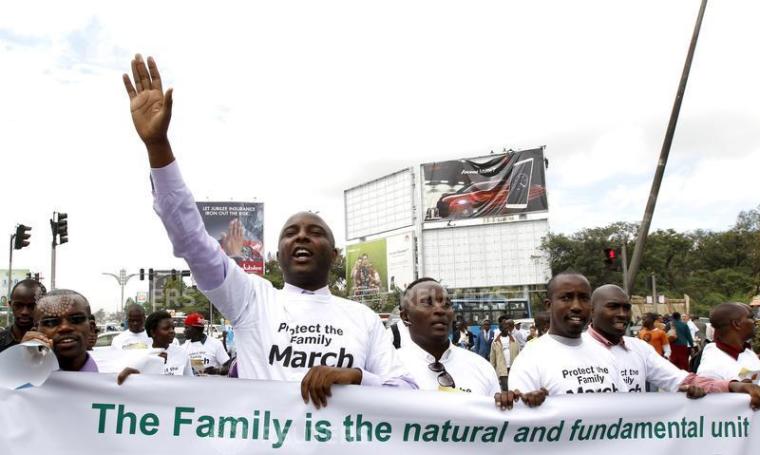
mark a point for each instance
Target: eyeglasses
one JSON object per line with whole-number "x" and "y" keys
{"x": 444, "y": 378}
{"x": 74, "y": 319}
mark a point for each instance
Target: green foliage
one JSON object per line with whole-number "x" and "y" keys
{"x": 711, "y": 267}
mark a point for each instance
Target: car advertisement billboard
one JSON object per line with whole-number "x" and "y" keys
{"x": 380, "y": 265}
{"x": 239, "y": 229}
{"x": 494, "y": 185}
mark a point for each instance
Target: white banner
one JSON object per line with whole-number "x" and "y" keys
{"x": 86, "y": 413}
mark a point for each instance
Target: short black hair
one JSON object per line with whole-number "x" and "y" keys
{"x": 30, "y": 283}
{"x": 405, "y": 294}
{"x": 153, "y": 319}
{"x": 677, "y": 316}
{"x": 550, "y": 284}
{"x": 135, "y": 306}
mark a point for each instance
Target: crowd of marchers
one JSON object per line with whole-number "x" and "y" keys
{"x": 303, "y": 333}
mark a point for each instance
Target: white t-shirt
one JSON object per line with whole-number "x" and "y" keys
{"x": 131, "y": 340}
{"x": 202, "y": 355}
{"x": 638, "y": 363}
{"x": 471, "y": 372}
{"x": 505, "y": 342}
{"x": 565, "y": 365}
{"x": 281, "y": 334}
{"x": 719, "y": 365}
{"x": 177, "y": 362}
{"x": 693, "y": 329}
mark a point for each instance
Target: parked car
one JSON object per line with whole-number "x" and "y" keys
{"x": 105, "y": 339}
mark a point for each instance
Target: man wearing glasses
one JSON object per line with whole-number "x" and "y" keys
{"x": 433, "y": 361}
{"x": 63, "y": 324}
{"x": 24, "y": 298}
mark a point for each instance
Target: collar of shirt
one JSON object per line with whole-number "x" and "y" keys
{"x": 602, "y": 339}
{"x": 423, "y": 354}
{"x": 295, "y": 289}
{"x": 89, "y": 365}
{"x": 730, "y": 350}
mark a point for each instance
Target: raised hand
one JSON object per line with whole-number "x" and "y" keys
{"x": 232, "y": 240}
{"x": 151, "y": 109}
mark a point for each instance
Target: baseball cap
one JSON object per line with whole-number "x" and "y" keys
{"x": 195, "y": 320}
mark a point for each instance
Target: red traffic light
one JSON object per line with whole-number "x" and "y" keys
{"x": 610, "y": 255}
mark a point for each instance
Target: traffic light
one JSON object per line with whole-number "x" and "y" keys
{"x": 22, "y": 237}
{"x": 59, "y": 225}
{"x": 174, "y": 274}
{"x": 63, "y": 228}
{"x": 610, "y": 257}
{"x": 150, "y": 274}
{"x": 142, "y": 274}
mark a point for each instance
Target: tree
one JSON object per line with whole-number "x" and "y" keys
{"x": 711, "y": 267}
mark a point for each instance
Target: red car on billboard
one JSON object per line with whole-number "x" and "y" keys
{"x": 485, "y": 198}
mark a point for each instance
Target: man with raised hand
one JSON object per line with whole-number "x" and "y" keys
{"x": 300, "y": 333}
{"x": 563, "y": 362}
{"x": 731, "y": 356}
{"x": 637, "y": 361}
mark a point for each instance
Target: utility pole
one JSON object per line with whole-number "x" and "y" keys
{"x": 60, "y": 229}
{"x": 638, "y": 251}
{"x": 122, "y": 278}
{"x": 654, "y": 294}
{"x": 10, "y": 285}
{"x": 19, "y": 239}
{"x": 624, "y": 253}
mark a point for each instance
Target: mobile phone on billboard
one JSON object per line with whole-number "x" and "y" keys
{"x": 519, "y": 184}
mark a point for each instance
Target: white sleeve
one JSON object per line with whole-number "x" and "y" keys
{"x": 237, "y": 297}
{"x": 383, "y": 365}
{"x": 662, "y": 372}
{"x": 666, "y": 350}
{"x": 221, "y": 354}
{"x": 524, "y": 375}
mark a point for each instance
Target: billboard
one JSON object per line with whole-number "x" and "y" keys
{"x": 494, "y": 185}
{"x": 380, "y": 265}
{"x": 504, "y": 254}
{"x": 239, "y": 228}
{"x": 382, "y": 205}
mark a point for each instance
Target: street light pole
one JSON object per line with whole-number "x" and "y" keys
{"x": 122, "y": 278}
{"x": 10, "y": 279}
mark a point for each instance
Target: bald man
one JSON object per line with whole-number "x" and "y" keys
{"x": 637, "y": 360}
{"x": 300, "y": 333}
{"x": 731, "y": 356}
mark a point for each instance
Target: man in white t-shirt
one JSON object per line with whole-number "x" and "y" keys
{"x": 637, "y": 360}
{"x": 300, "y": 333}
{"x": 731, "y": 357}
{"x": 135, "y": 336}
{"x": 562, "y": 362}
{"x": 206, "y": 353}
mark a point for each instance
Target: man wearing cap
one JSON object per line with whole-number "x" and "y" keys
{"x": 300, "y": 333}
{"x": 207, "y": 354}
